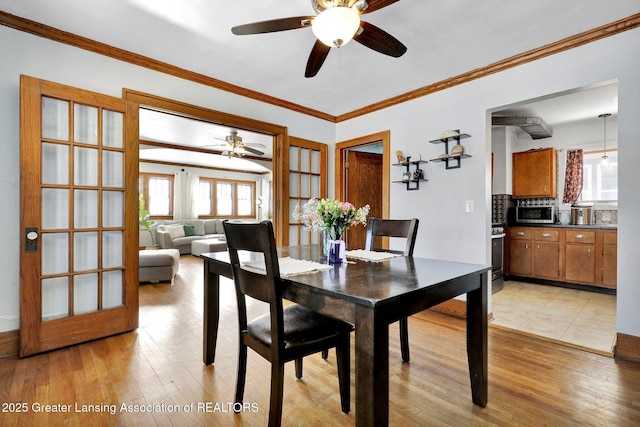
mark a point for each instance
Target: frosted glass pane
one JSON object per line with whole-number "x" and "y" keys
{"x": 55, "y": 164}
{"x": 85, "y": 208}
{"x": 85, "y": 166}
{"x": 55, "y": 119}
{"x": 316, "y": 238}
{"x": 315, "y": 186}
{"x": 85, "y": 251}
{"x": 112, "y": 209}
{"x": 55, "y": 298}
{"x": 294, "y": 189}
{"x": 55, "y": 253}
{"x": 112, "y": 289}
{"x": 85, "y": 293}
{"x": 304, "y": 237}
{"x": 293, "y": 235}
{"x": 113, "y": 169}
{"x": 305, "y": 186}
{"x": 304, "y": 160}
{"x": 292, "y": 205}
{"x": 112, "y": 249}
{"x": 293, "y": 158}
{"x": 55, "y": 208}
{"x": 85, "y": 124}
{"x": 315, "y": 162}
{"x": 112, "y": 129}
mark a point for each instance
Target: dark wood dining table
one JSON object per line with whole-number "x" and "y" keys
{"x": 371, "y": 295}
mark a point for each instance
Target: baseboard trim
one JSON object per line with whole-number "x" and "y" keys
{"x": 9, "y": 343}
{"x": 627, "y": 347}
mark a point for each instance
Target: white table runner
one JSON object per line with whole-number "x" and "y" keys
{"x": 290, "y": 266}
{"x": 371, "y": 256}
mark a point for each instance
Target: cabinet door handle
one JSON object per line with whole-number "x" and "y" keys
{"x": 526, "y": 246}
{"x": 589, "y": 252}
{"x": 546, "y": 234}
{"x": 579, "y": 236}
{"x": 520, "y": 233}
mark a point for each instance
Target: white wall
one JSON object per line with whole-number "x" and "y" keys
{"x": 23, "y": 53}
{"x": 446, "y": 230}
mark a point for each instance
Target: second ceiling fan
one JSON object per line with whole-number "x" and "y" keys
{"x": 336, "y": 22}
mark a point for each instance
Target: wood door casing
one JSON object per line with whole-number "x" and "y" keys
{"x": 363, "y": 188}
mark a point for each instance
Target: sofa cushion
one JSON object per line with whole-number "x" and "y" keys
{"x": 175, "y": 230}
{"x": 211, "y": 226}
{"x": 189, "y": 230}
{"x": 219, "y": 228}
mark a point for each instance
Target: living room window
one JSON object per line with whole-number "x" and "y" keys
{"x": 221, "y": 198}
{"x": 157, "y": 192}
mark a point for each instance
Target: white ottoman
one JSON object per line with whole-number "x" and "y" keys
{"x": 203, "y": 246}
{"x": 159, "y": 265}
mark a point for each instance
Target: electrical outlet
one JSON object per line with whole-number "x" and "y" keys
{"x": 468, "y": 206}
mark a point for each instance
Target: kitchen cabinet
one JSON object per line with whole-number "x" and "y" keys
{"x": 585, "y": 256}
{"x": 534, "y": 252}
{"x": 609, "y": 259}
{"x": 534, "y": 173}
{"x": 546, "y": 254}
{"x": 580, "y": 257}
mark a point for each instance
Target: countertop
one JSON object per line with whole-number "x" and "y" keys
{"x": 591, "y": 226}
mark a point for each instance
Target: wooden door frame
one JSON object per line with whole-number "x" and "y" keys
{"x": 383, "y": 138}
{"x": 279, "y": 133}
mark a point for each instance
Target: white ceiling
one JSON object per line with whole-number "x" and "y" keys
{"x": 444, "y": 39}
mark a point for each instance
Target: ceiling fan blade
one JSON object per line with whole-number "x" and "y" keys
{"x": 273, "y": 25}
{"x": 379, "y": 40}
{"x": 316, "y": 59}
{"x": 253, "y": 150}
{"x": 378, "y": 4}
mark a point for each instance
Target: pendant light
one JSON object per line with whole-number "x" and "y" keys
{"x": 604, "y": 161}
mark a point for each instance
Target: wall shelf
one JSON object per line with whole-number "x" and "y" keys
{"x": 416, "y": 176}
{"x": 451, "y": 161}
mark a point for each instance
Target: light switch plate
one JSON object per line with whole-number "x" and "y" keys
{"x": 468, "y": 206}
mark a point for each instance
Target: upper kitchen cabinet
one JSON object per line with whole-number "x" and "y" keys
{"x": 535, "y": 173}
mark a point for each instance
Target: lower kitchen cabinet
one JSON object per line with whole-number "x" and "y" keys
{"x": 572, "y": 255}
{"x": 580, "y": 257}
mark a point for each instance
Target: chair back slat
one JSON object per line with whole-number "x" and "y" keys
{"x": 404, "y": 228}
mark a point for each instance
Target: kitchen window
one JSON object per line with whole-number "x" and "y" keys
{"x": 600, "y": 182}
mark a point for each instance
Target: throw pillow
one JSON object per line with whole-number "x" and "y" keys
{"x": 189, "y": 230}
{"x": 175, "y": 231}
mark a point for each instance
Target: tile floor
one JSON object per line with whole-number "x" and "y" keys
{"x": 578, "y": 318}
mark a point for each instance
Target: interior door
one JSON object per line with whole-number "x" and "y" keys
{"x": 364, "y": 173}
{"x": 307, "y": 179}
{"x": 78, "y": 263}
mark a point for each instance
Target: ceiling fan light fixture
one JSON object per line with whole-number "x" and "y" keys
{"x": 336, "y": 26}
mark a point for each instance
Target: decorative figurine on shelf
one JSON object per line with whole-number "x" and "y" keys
{"x": 450, "y": 133}
{"x": 457, "y": 150}
{"x": 401, "y": 157}
{"x": 417, "y": 174}
{"x": 406, "y": 176}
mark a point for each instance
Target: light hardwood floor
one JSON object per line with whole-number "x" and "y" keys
{"x": 582, "y": 319}
{"x": 532, "y": 382}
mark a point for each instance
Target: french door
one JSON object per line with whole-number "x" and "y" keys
{"x": 78, "y": 263}
{"x": 307, "y": 179}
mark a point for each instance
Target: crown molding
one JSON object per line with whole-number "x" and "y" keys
{"x": 36, "y": 28}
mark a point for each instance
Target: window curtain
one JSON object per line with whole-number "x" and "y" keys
{"x": 185, "y": 197}
{"x": 573, "y": 176}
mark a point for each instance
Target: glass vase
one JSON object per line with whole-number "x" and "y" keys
{"x": 336, "y": 251}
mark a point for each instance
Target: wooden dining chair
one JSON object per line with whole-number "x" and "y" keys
{"x": 284, "y": 334}
{"x": 404, "y": 228}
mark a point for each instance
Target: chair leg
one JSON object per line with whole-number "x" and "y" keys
{"x": 299, "y": 368}
{"x": 277, "y": 389}
{"x": 325, "y": 354}
{"x": 404, "y": 338}
{"x": 343, "y": 350}
{"x": 242, "y": 374}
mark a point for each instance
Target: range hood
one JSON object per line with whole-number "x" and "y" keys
{"x": 534, "y": 126}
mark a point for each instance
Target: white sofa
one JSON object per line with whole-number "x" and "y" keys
{"x": 180, "y": 234}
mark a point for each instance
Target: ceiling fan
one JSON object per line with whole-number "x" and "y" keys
{"x": 337, "y": 22}
{"x": 234, "y": 147}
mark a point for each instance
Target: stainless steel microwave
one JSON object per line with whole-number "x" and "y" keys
{"x": 535, "y": 214}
